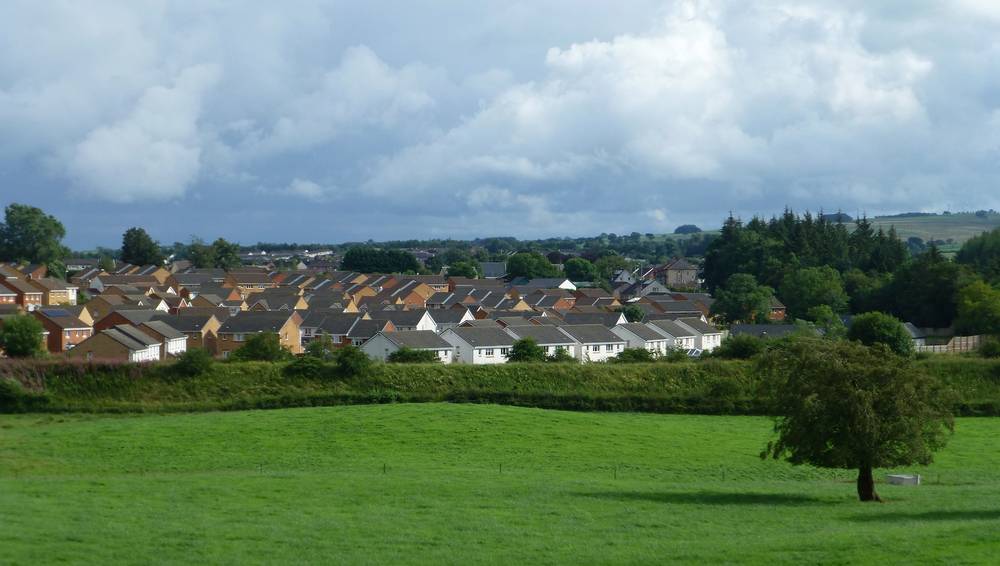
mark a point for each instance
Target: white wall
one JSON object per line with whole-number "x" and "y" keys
{"x": 378, "y": 347}
{"x": 586, "y": 353}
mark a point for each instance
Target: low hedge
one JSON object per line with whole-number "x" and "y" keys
{"x": 709, "y": 386}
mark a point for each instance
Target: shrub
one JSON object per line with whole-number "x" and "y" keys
{"x": 21, "y": 337}
{"x": 879, "y": 328}
{"x": 351, "y": 361}
{"x": 990, "y": 347}
{"x": 526, "y": 350}
{"x": 263, "y": 347}
{"x": 740, "y": 347}
{"x": 633, "y": 356}
{"x": 562, "y": 356}
{"x": 193, "y": 363}
{"x": 321, "y": 348}
{"x": 675, "y": 355}
{"x": 406, "y": 355}
{"x": 309, "y": 367}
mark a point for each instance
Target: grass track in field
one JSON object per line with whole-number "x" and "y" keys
{"x": 308, "y": 485}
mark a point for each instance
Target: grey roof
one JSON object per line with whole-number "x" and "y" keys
{"x": 481, "y": 323}
{"x": 136, "y": 315}
{"x": 164, "y": 329}
{"x": 701, "y": 326}
{"x": 448, "y": 316}
{"x": 400, "y": 318}
{"x": 418, "y": 340}
{"x": 671, "y": 328}
{"x": 263, "y": 321}
{"x": 543, "y": 335}
{"x": 62, "y": 318}
{"x": 338, "y": 324}
{"x": 642, "y": 331}
{"x": 605, "y": 319}
{"x": 366, "y": 328}
{"x": 493, "y": 269}
{"x": 136, "y": 335}
{"x": 185, "y": 323}
{"x": 483, "y": 336}
{"x": 591, "y": 333}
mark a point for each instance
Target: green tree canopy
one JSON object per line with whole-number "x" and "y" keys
{"x": 982, "y": 254}
{"x": 607, "y": 265}
{"x": 368, "y": 259}
{"x": 226, "y": 254}
{"x": 406, "y": 355}
{"x": 531, "y": 265}
{"x": 924, "y": 291}
{"x": 811, "y": 287}
{"x": 633, "y": 313}
{"x": 743, "y": 300}
{"x": 978, "y": 309}
{"x": 579, "y": 269}
{"x": 842, "y": 405}
{"x": 21, "y": 336}
{"x": 526, "y": 350}
{"x": 873, "y": 328}
{"x": 464, "y": 269}
{"x": 262, "y": 347}
{"x": 633, "y": 356}
{"x": 321, "y": 347}
{"x": 138, "y": 248}
{"x": 29, "y": 235}
{"x": 200, "y": 254}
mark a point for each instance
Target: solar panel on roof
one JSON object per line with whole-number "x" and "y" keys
{"x": 56, "y": 312}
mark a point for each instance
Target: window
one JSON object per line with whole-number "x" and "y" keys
{"x": 608, "y": 347}
{"x": 504, "y": 351}
{"x": 489, "y": 352}
{"x": 595, "y": 348}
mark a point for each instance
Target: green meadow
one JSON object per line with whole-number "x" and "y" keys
{"x": 467, "y": 484}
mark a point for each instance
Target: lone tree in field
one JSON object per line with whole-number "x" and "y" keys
{"x": 844, "y": 405}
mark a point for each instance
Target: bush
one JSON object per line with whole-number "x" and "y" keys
{"x": 263, "y": 347}
{"x": 562, "y": 356}
{"x": 990, "y": 348}
{"x": 879, "y": 328}
{"x": 308, "y": 367}
{"x": 633, "y": 356}
{"x": 526, "y": 350}
{"x": 15, "y": 398}
{"x": 352, "y": 362}
{"x": 406, "y": 355}
{"x": 740, "y": 347}
{"x": 21, "y": 337}
{"x": 321, "y": 348}
{"x": 193, "y": 363}
{"x": 675, "y": 355}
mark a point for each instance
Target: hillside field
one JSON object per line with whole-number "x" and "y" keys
{"x": 957, "y": 227}
{"x": 458, "y": 484}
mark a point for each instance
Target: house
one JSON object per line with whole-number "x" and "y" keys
{"x": 680, "y": 337}
{"x": 364, "y": 330}
{"x": 64, "y": 330}
{"x": 55, "y": 292}
{"x": 449, "y": 318}
{"x": 416, "y": 319}
{"x": 493, "y": 269}
{"x": 249, "y": 281}
{"x": 173, "y": 342}
{"x": 707, "y": 337}
{"x": 121, "y": 316}
{"x": 640, "y": 288}
{"x": 235, "y": 330}
{"x": 333, "y": 325}
{"x": 122, "y": 343}
{"x": 478, "y": 345}
{"x": 607, "y": 319}
{"x": 25, "y": 294}
{"x": 637, "y": 335}
{"x": 550, "y": 338}
{"x": 778, "y": 311}
{"x": 594, "y": 342}
{"x": 276, "y": 300}
{"x": 678, "y": 274}
{"x": 8, "y": 296}
{"x": 669, "y": 308}
{"x": 102, "y": 282}
{"x": 199, "y": 330}
{"x": 383, "y": 344}
{"x": 544, "y": 283}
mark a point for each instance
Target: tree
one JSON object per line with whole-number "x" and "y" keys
{"x": 526, "y": 350}
{"x": 606, "y": 266}
{"x": 29, "y": 235}
{"x": 633, "y": 313}
{"x": 562, "y": 356}
{"x": 530, "y": 265}
{"x": 226, "y": 254}
{"x": 21, "y": 336}
{"x": 740, "y": 347}
{"x": 193, "y": 362}
{"x": 200, "y": 254}
{"x": 261, "y": 347}
{"x": 982, "y": 254}
{"x": 843, "y": 405}
{"x": 463, "y": 269}
{"x": 978, "y": 309}
{"x": 368, "y": 259}
{"x": 687, "y": 229}
{"x": 828, "y": 321}
{"x": 352, "y": 362}
{"x": 138, "y": 248}
{"x": 879, "y": 328}
{"x": 924, "y": 291}
{"x": 579, "y": 269}
{"x": 811, "y": 287}
{"x": 406, "y": 355}
{"x": 633, "y": 356}
{"x": 105, "y": 263}
{"x": 743, "y": 300}
{"x": 321, "y": 348}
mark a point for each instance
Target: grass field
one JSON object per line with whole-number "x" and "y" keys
{"x": 460, "y": 484}
{"x": 957, "y": 227}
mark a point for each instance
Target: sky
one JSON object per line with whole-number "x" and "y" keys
{"x": 309, "y": 121}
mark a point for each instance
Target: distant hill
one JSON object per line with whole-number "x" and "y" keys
{"x": 953, "y": 228}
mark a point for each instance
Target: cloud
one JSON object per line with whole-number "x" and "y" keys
{"x": 153, "y": 153}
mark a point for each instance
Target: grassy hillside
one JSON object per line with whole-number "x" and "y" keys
{"x": 957, "y": 227}
{"x": 460, "y": 484}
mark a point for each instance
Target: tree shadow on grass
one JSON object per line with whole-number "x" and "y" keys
{"x": 970, "y": 515}
{"x": 712, "y": 498}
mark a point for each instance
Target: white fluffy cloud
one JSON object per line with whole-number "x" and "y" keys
{"x": 386, "y": 116}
